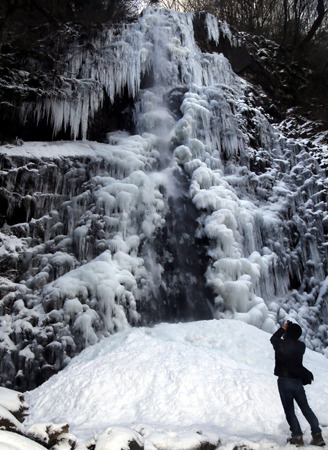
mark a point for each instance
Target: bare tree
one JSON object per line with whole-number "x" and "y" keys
{"x": 291, "y": 22}
{"x": 316, "y": 24}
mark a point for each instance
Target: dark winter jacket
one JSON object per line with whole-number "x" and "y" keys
{"x": 289, "y": 355}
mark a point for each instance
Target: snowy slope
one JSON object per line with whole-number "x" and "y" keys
{"x": 177, "y": 385}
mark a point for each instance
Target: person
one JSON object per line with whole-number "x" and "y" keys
{"x": 289, "y": 353}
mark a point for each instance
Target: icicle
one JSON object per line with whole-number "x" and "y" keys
{"x": 212, "y": 28}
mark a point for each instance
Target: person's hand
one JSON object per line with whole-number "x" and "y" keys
{"x": 286, "y": 325}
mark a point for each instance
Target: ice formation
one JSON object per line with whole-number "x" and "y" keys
{"x": 206, "y": 205}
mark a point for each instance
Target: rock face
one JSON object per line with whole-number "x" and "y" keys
{"x": 186, "y": 204}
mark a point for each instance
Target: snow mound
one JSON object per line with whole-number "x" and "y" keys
{"x": 174, "y": 382}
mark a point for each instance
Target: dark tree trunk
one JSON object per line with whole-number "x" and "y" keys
{"x": 316, "y": 24}
{"x": 8, "y": 8}
{"x": 285, "y": 21}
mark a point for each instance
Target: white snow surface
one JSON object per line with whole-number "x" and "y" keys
{"x": 56, "y": 149}
{"x": 175, "y": 386}
{"x": 13, "y": 441}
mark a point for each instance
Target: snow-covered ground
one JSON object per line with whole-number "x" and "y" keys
{"x": 175, "y": 386}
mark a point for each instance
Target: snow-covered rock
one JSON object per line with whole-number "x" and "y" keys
{"x": 14, "y": 402}
{"x": 13, "y": 441}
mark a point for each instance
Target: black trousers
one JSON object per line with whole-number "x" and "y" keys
{"x": 291, "y": 389}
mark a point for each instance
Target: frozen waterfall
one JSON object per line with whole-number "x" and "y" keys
{"x": 206, "y": 210}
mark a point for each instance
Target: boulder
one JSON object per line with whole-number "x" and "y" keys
{"x": 8, "y": 421}
{"x": 14, "y": 402}
{"x": 50, "y": 435}
{"x": 119, "y": 438}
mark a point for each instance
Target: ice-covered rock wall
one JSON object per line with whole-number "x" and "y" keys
{"x": 204, "y": 210}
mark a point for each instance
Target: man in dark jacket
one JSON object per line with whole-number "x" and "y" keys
{"x": 288, "y": 368}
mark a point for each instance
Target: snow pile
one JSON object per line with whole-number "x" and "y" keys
{"x": 174, "y": 386}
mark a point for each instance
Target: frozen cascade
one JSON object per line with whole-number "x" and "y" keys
{"x": 117, "y": 61}
{"x": 207, "y": 210}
